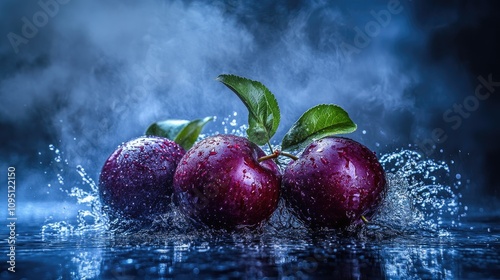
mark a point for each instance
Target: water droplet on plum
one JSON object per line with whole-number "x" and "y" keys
{"x": 324, "y": 160}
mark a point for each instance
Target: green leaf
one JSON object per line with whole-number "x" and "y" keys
{"x": 263, "y": 110}
{"x": 183, "y": 132}
{"x": 189, "y": 134}
{"x": 168, "y": 128}
{"x": 318, "y": 122}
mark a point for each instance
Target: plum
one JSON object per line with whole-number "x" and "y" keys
{"x": 136, "y": 179}
{"x": 220, "y": 183}
{"x": 335, "y": 182}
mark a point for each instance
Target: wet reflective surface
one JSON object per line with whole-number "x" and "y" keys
{"x": 471, "y": 251}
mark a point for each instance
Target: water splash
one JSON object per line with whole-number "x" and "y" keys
{"x": 230, "y": 126}
{"x": 91, "y": 218}
{"x": 420, "y": 194}
{"x": 61, "y": 228}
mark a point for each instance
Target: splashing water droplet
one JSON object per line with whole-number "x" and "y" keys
{"x": 60, "y": 179}
{"x": 415, "y": 198}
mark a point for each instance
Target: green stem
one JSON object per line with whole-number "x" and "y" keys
{"x": 270, "y": 146}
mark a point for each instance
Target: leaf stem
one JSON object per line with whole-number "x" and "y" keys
{"x": 273, "y": 155}
{"x": 270, "y": 146}
{"x": 289, "y": 155}
{"x": 276, "y": 154}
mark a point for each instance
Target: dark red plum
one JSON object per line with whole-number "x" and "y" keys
{"x": 334, "y": 183}
{"x": 219, "y": 183}
{"x": 136, "y": 180}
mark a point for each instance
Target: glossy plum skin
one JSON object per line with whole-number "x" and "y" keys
{"x": 334, "y": 182}
{"x": 220, "y": 184}
{"x": 136, "y": 180}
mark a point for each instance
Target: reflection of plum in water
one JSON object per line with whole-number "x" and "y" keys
{"x": 136, "y": 180}
{"x": 245, "y": 258}
{"x": 339, "y": 261}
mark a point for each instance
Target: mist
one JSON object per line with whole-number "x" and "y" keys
{"x": 97, "y": 73}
